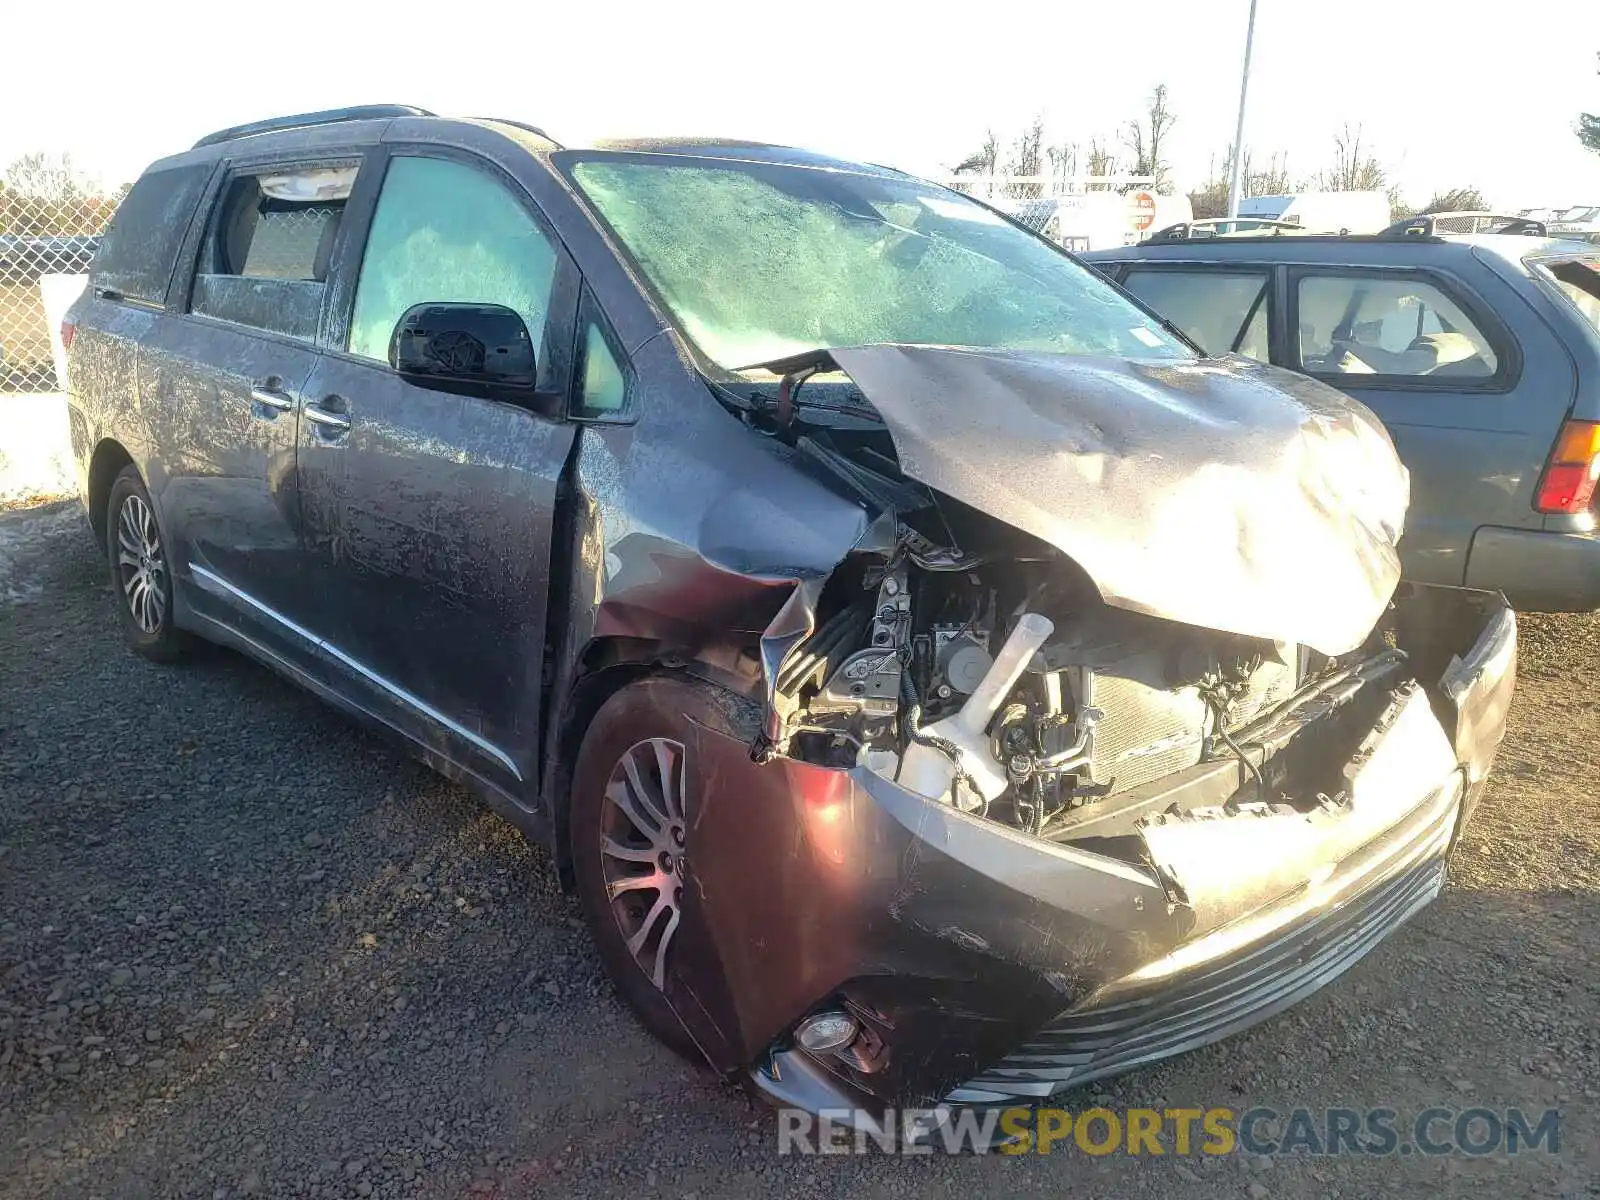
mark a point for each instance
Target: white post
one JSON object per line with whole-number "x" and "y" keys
{"x": 56, "y": 293}
{"x": 1236, "y": 176}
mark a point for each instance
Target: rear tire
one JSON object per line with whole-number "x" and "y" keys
{"x": 141, "y": 573}
{"x": 630, "y": 828}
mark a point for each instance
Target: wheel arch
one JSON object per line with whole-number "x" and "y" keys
{"x": 107, "y": 462}
{"x": 608, "y": 665}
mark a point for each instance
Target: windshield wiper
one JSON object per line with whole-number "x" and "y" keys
{"x": 820, "y": 359}
{"x": 795, "y": 369}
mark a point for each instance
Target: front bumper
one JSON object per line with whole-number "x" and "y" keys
{"x": 987, "y": 967}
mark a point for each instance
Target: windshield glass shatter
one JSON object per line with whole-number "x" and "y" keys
{"x": 755, "y": 261}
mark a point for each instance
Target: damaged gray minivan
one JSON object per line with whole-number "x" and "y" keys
{"x": 940, "y": 684}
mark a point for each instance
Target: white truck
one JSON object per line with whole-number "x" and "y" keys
{"x": 1580, "y": 222}
{"x": 1323, "y": 212}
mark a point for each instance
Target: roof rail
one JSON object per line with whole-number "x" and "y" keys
{"x": 327, "y": 116}
{"x": 525, "y": 126}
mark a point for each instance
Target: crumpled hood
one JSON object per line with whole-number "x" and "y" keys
{"x": 1230, "y": 496}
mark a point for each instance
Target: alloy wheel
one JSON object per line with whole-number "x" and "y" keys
{"x": 642, "y": 843}
{"x": 141, "y": 565}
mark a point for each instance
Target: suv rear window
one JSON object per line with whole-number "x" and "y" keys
{"x": 137, "y": 253}
{"x": 1578, "y": 279}
{"x": 1355, "y": 323}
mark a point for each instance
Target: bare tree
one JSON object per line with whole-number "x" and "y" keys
{"x": 1355, "y": 168}
{"x": 1589, "y": 127}
{"x": 986, "y": 161}
{"x": 45, "y": 177}
{"x": 1102, "y": 161}
{"x": 1144, "y": 139}
{"x": 1063, "y": 159}
{"x": 1026, "y": 159}
{"x": 1462, "y": 199}
{"x": 44, "y": 194}
{"x": 1211, "y": 198}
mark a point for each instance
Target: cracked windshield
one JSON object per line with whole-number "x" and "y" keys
{"x": 756, "y": 262}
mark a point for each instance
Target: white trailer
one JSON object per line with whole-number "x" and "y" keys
{"x": 1323, "y": 212}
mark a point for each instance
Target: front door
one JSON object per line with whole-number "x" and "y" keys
{"x": 428, "y": 515}
{"x": 1224, "y": 309}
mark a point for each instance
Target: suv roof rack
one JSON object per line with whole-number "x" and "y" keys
{"x": 327, "y": 116}
{"x": 1247, "y": 239}
{"x": 1476, "y": 221}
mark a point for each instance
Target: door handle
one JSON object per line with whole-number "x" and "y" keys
{"x": 267, "y": 398}
{"x": 332, "y": 421}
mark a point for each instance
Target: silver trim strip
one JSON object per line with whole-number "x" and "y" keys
{"x": 367, "y": 673}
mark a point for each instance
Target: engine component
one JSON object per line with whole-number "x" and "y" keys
{"x": 1147, "y": 732}
{"x": 963, "y": 661}
{"x": 952, "y": 758}
{"x": 1156, "y": 685}
{"x": 1077, "y": 706}
{"x": 868, "y": 680}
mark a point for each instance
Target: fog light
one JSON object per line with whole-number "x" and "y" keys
{"x": 825, "y": 1032}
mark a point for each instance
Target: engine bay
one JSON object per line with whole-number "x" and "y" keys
{"x": 1004, "y": 685}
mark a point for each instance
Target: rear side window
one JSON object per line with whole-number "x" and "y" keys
{"x": 1401, "y": 327}
{"x": 1579, "y": 281}
{"x": 269, "y": 247}
{"x": 1223, "y": 311}
{"x": 137, "y": 253}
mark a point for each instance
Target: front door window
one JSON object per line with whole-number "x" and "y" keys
{"x": 444, "y": 231}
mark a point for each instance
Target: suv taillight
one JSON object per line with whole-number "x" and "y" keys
{"x": 1574, "y": 466}
{"x": 68, "y": 332}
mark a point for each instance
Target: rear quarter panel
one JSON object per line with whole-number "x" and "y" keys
{"x": 103, "y": 383}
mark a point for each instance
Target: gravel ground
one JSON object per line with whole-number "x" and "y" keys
{"x": 246, "y": 948}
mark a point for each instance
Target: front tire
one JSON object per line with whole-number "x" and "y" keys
{"x": 141, "y": 573}
{"x": 630, "y": 822}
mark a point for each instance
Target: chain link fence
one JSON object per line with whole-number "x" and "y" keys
{"x": 50, "y": 225}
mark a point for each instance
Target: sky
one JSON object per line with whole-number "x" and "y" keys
{"x": 1444, "y": 97}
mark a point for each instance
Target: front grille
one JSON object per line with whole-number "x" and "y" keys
{"x": 1217, "y": 1000}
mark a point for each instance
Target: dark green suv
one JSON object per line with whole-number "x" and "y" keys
{"x": 1480, "y": 354}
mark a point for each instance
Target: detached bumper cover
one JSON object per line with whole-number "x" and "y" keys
{"x": 988, "y": 967}
{"x": 1235, "y": 977}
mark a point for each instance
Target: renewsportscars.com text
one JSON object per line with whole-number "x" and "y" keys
{"x": 1439, "y": 1130}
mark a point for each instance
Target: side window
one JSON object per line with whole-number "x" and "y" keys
{"x": 448, "y": 232}
{"x": 268, "y": 248}
{"x": 1382, "y": 325}
{"x": 603, "y": 387}
{"x": 136, "y": 255}
{"x": 1221, "y": 310}
{"x": 1253, "y": 340}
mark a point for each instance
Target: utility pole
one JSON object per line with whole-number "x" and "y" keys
{"x": 1236, "y": 176}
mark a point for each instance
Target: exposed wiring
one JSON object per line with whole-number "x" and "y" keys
{"x": 1219, "y": 695}
{"x": 911, "y": 731}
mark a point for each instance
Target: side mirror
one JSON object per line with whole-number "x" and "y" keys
{"x": 470, "y": 349}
